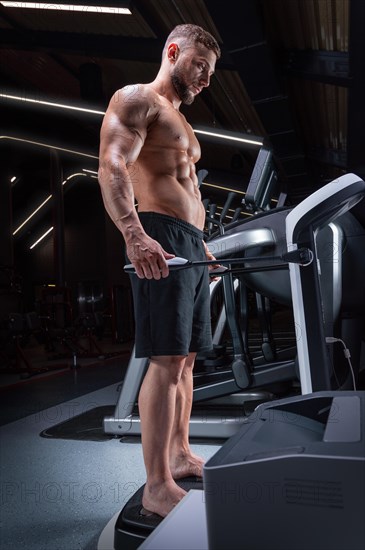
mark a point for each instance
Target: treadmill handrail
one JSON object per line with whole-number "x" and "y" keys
{"x": 323, "y": 206}
{"x": 319, "y": 209}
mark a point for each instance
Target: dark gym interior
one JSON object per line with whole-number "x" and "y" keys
{"x": 291, "y": 82}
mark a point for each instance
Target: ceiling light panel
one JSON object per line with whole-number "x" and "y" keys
{"x": 115, "y": 10}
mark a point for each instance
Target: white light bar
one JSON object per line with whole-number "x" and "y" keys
{"x": 55, "y": 147}
{"x": 68, "y": 7}
{"x": 44, "y": 202}
{"x": 89, "y": 171}
{"x": 230, "y": 137}
{"x": 33, "y": 214}
{"x": 41, "y": 238}
{"x": 223, "y": 188}
{"x": 51, "y": 104}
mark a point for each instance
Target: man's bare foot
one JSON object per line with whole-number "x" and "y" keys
{"x": 185, "y": 465}
{"x": 161, "y": 498}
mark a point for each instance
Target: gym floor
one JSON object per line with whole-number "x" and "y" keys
{"x": 59, "y": 490}
{"x": 59, "y": 494}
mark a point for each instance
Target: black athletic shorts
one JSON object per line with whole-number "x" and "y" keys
{"x": 172, "y": 315}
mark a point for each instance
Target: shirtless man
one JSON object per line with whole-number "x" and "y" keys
{"x": 148, "y": 152}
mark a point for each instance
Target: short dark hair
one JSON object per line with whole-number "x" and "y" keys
{"x": 197, "y": 35}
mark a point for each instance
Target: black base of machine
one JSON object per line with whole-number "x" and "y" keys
{"x": 134, "y": 525}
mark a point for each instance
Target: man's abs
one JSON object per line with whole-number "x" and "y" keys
{"x": 167, "y": 195}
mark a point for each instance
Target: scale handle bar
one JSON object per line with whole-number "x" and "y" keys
{"x": 302, "y": 256}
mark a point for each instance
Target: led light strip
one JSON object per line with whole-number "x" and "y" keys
{"x": 52, "y": 104}
{"x": 220, "y": 208}
{"x": 89, "y": 171}
{"x": 41, "y": 238}
{"x": 66, "y": 7}
{"x": 229, "y": 137}
{"x": 223, "y": 188}
{"x": 45, "y": 202}
{"x": 31, "y": 216}
{"x": 39, "y": 144}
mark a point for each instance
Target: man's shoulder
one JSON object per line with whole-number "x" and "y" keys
{"x": 136, "y": 93}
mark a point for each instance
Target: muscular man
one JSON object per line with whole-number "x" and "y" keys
{"x": 148, "y": 152}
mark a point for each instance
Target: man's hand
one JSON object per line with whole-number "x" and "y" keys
{"x": 210, "y": 257}
{"x": 148, "y": 258}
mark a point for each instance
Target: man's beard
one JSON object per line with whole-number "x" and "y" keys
{"x": 181, "y": 88}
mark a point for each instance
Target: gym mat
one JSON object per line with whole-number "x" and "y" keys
{"x": 87, "y": 426}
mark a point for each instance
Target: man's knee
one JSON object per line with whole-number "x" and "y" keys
{"x": 190, "y": 361}
{"x": 172, "y": 366}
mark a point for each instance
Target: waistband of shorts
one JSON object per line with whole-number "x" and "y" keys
{"x": 170, "y": 220}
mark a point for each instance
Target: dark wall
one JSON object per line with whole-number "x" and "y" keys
{"x": 94, "y": 258}
{"x": 85, "y": 255}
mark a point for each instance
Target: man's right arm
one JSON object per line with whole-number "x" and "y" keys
{"x": 123, "y": 133}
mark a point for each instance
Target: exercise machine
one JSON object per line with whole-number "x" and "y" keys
{"x": 337, "y": 243}
{"x": 290, "y": 479}
{"x": 325, "y": 208}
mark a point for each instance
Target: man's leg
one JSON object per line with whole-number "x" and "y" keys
{"x": 157, "y": 402}
{"x": 183, "y": 462}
